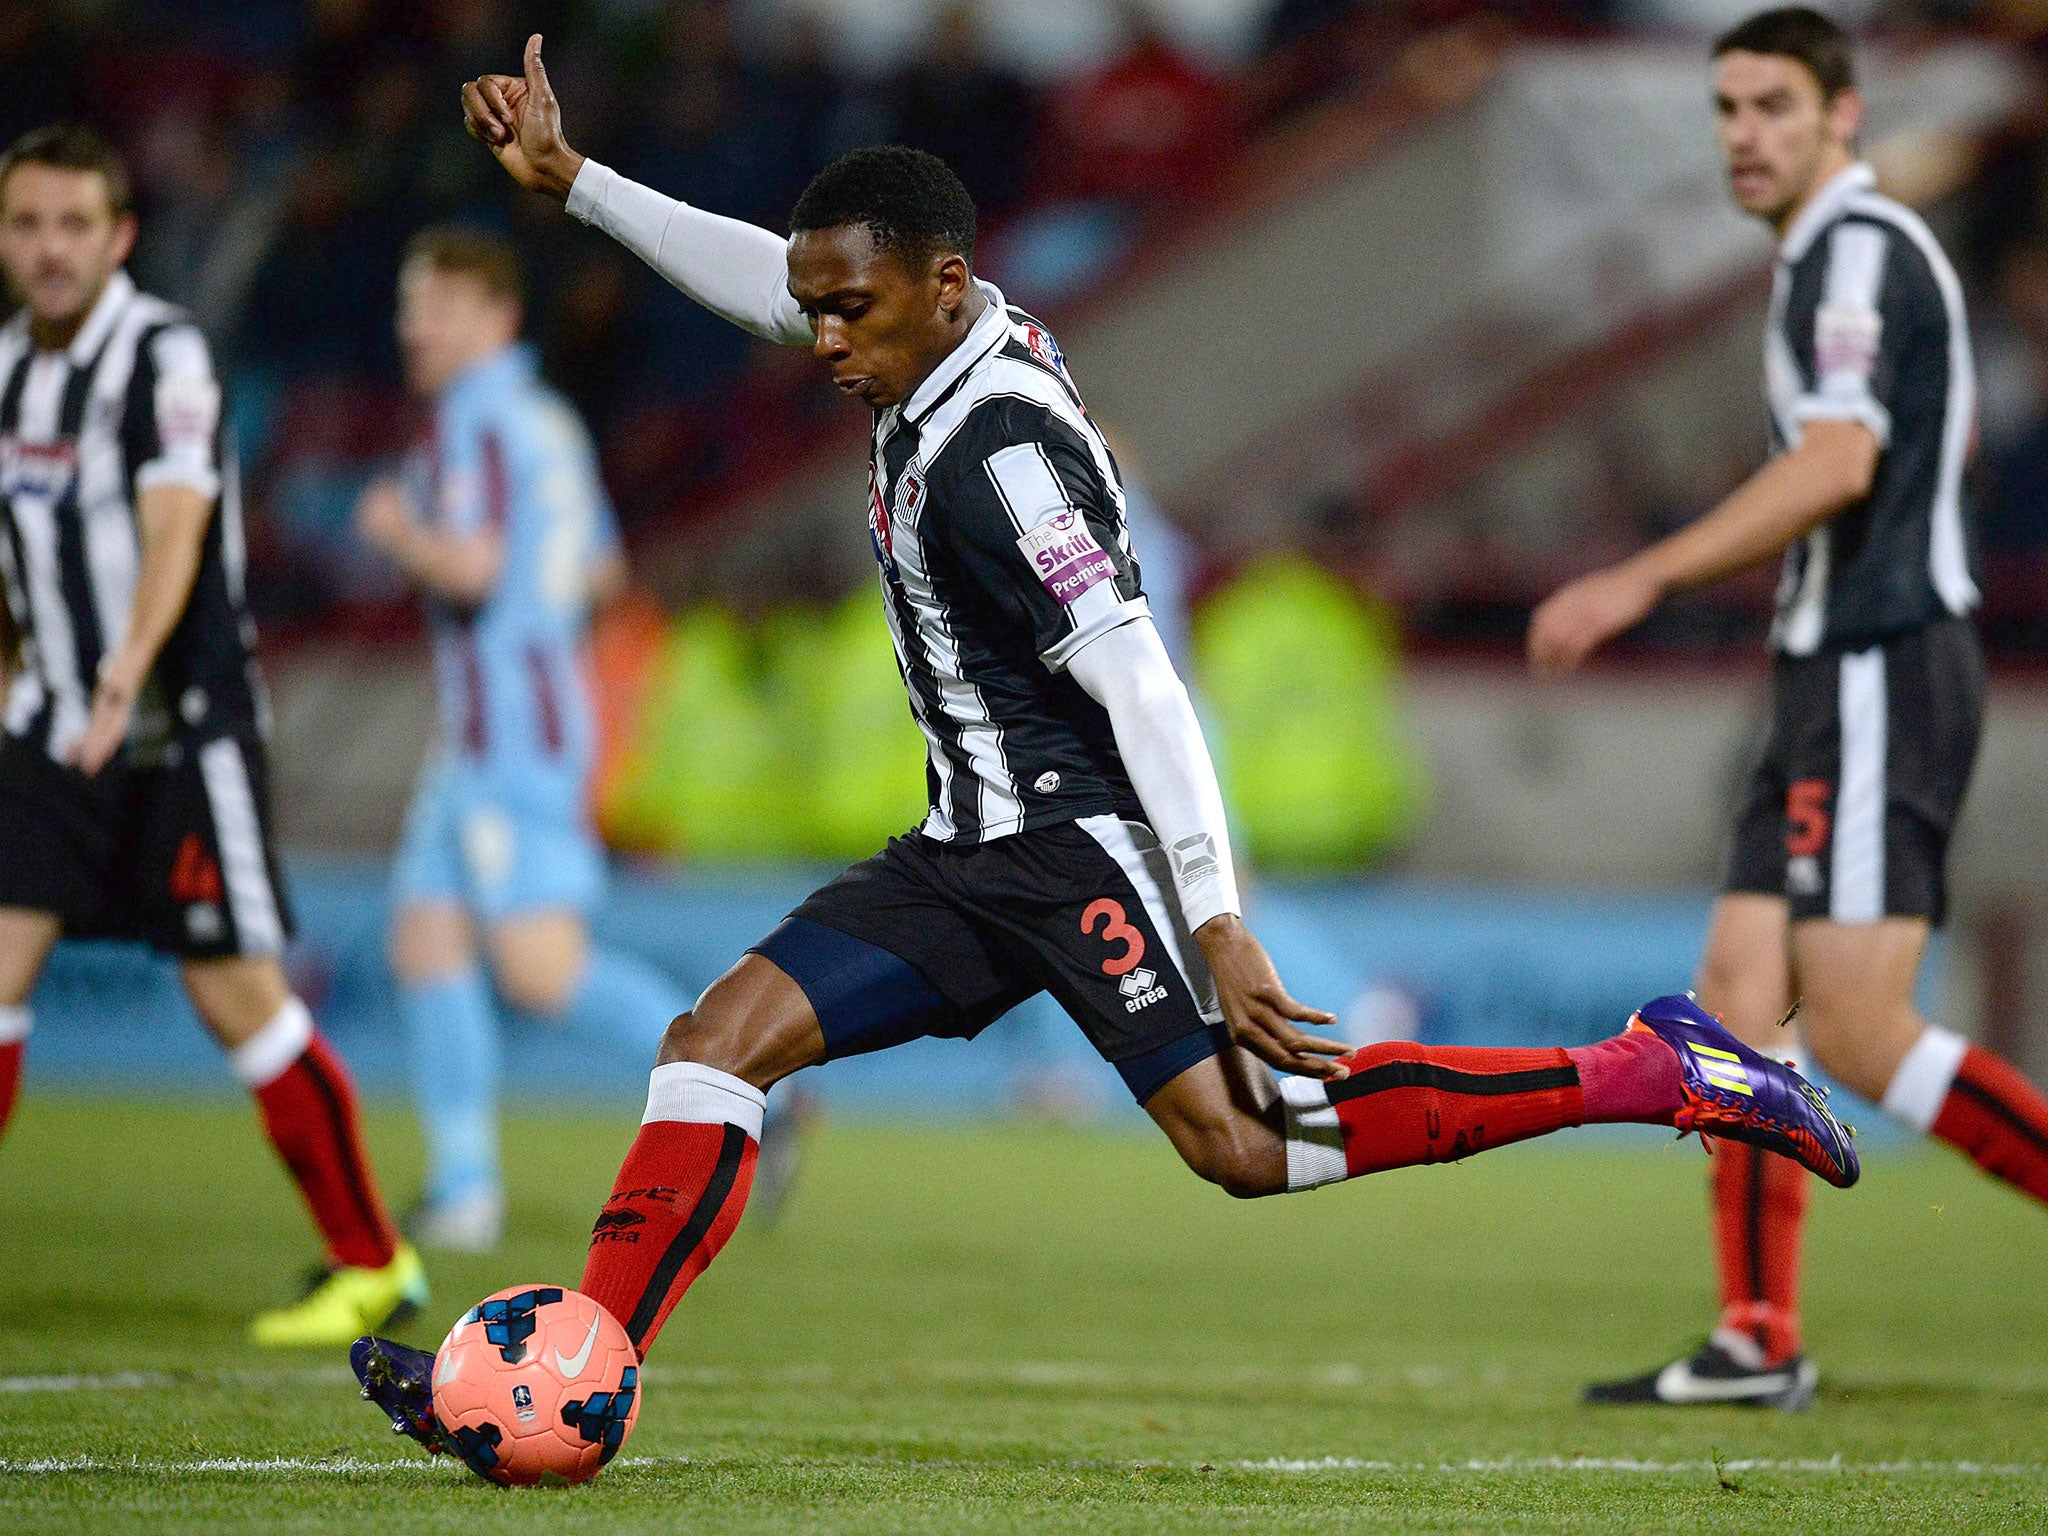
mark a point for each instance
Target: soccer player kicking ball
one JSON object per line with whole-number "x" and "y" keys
{"x": 132, "y": 767}
{"x": 504, "y": 525}
{"x": 1076, "y": 840}
{"x": 1837, "y": 871}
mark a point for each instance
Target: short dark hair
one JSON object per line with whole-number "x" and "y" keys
{"x": 1797, "y": 32}
{"x": 910, "y": 202}
{"x": 478, "y": 253}
{"x": 71, "y": 147}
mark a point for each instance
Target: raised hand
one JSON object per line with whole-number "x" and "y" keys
{"x": 1256, "y": 1008}
{"x": 519, "y": 120}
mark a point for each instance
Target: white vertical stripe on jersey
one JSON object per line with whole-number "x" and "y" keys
{"x": 1856, "y": 872}
{"x": 1151, "y": 875}
{"x": 239, "y": 831}
{"x": 35, "y": 520}
{"x": 1948, "y": 559}
{"x": 1798, "y": 632}
{"x": 1001, "y": 807}
{"x": 107, "y": 527}
{"x": 1849, "y": 298}
{"x": 937, "y": 823}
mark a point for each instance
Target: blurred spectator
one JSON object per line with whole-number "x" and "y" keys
{"x": 955, "y": 103}
{"x": 1151, "y": 125}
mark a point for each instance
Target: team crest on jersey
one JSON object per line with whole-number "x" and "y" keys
{"x": 37, "y": 469}
{"x": 910, "y": 494}
{"x": 1044, "y": 348}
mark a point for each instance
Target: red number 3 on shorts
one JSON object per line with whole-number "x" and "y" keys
{"x": 1119, "y": 929}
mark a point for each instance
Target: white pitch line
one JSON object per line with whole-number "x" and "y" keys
{"x": 351, "y": 1466}
{"x": 132, "y": 1381}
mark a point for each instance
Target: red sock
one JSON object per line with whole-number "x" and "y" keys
{"x": 1407, "y": 1104}
{"x": 10, "y": 1079}
{"x": 1759, "y": 1201}
{"x": 1632, "y": 1078}
{"x": 15, "y": 1020}
{"x": 1998, "y": 1119}
{"x": 309, "y": 1113}
{"x": 678, "y": 1196}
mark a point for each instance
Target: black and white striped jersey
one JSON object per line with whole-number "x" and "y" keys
{"x": 998, "y": 521}
{"x": 1867, "y": 324}
{"x": 131, "y": 403}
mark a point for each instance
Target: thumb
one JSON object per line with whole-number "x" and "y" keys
{"x": 536, "y": 72}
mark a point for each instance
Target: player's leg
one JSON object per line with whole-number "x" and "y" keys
{"x": 1864, "y": 1029}
{"x": 451, "y": 1021}
{"x": 1758, "y": 1198}
{"x": 25, "y": 941}
{"x": 451, "y": 1027}
{"x": 545, "y": 964}
{"x": 308, "y": 1108}
{"x": 685, "y": 1180}
{"x": 1087, "y": 904}
{"x": 881, "y": 955}
{"x": 1404, "y": 1105}
{"x": 201, "y": 882}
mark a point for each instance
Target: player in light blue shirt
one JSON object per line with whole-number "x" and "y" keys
{"x": 503, "y": 524}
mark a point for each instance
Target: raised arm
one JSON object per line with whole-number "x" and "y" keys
{"x": 737, "y": 270}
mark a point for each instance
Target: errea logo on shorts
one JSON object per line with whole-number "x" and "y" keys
{"x": 1140, "y": 990}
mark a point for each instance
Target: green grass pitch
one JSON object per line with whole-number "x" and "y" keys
{"x": 1038, "y": 1330}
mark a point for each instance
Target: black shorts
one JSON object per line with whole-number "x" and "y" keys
{"x": 179, "y": 856}
{"x": 1849, "y": 811}
{"x": 931, "y": 938}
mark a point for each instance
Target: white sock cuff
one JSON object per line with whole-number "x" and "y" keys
{"x": 262, "y": 1059}
{"x": 697, "y": 1095}
{"x": 1315, "y": 1141}
{"x": 1922, "y": 1082}
{"x": 16, "y": 1020}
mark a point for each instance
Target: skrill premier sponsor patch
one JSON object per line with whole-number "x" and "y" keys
{"x": 1066, "y": 557}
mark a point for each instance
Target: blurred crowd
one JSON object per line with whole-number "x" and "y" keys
{"x": 285, "y": 149}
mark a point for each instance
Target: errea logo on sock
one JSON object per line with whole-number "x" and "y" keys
{"x": 1723, "y": 1069}
{"x": 1140, "y": 990}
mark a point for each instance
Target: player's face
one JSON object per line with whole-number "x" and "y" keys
{"x": 1780, "y": 137}
{"x": 60, "y": 240}
{"x": 882, "y": 324}
{"x": 446, "y": 321}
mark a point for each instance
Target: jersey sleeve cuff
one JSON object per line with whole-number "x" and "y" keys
{"x": 1215, "y": 900}
{"x": 586, "y": 192}
{"x": 1096, "y": 626}
{"x": 204, "y": 480}
{"x": 1858, "y": 407}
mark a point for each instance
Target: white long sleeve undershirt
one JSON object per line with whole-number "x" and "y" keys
{"x": 738, "y": 271}
{"x": 1127, "y": 671}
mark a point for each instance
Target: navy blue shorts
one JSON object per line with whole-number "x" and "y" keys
{"x": 939, "y": 939}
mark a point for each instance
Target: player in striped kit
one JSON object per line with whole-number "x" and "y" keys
{"x": 132, "y": 769}
{"x": 1838, "y": 869}
{"x": 1076, "y": 842}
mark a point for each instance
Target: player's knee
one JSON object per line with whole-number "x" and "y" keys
{"x": 1235, "y": 1164}
{"x": 710, "y": 1038}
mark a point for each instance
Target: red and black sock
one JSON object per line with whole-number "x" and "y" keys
{"x": 1759, "y": 1201}
{"x": 14, "y": 1027}
{"x": 1999, "y": 1120}
{"x": 678, "y": 1197}
{"x": 309, "y": 1112}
